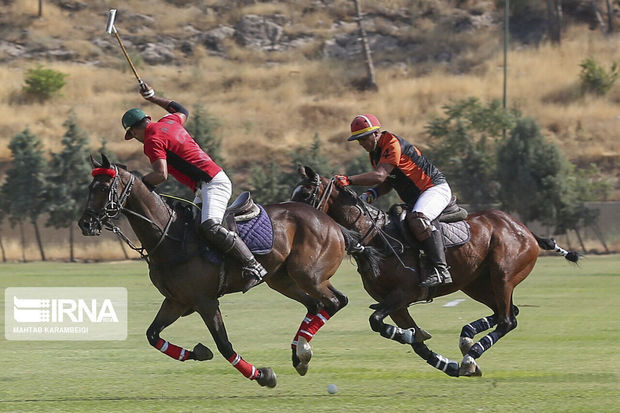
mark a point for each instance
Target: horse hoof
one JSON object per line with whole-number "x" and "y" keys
{"x": 202, "y": 352}
{"x": 422, "y": 335}
{"x": 302, "y": 368}
{"x": 304, "y": 351}
{"x": 469, "y": 367}
{"x": 267, "y": 378}
{"x": 465, "y": 343}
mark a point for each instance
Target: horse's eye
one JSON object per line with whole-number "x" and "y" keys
{"x": 103, "y": 188}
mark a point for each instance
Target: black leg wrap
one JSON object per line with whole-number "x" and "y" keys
{"x": 485, "y": 343}
{"x": 422, "y": 350}
{"x": 450, "y": 367}
{"x": 478, "y": 326}
{"x": 398, "y": 334}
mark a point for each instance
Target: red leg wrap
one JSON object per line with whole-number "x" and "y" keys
{"x": 311, "y": 324}
{"x": 245, "y": 368}
{"x": 176, "y": 352}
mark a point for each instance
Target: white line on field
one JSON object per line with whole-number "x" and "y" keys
{"x": 454, "y": 303}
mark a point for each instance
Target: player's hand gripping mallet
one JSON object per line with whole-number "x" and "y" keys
{"x": 110, "y": 28}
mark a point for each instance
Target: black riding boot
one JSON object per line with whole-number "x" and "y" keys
{"x": 231, "y": 244}
{"x": 433, "y": 247}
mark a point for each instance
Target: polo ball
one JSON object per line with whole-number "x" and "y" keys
{"x": 332, "y": 389}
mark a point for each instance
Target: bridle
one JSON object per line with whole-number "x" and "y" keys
{"x": 320, "y": 203}
{"x": 317, "y": 202}
{"x": 116, "y": 204}
{"x": 377, "y": 221}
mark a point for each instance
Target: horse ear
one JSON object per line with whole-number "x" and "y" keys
{"x": 301, "y": 170}
{"x": 93, "y": 162}
{"x": 105, "y": 160}
{"x": 309, "y": 172}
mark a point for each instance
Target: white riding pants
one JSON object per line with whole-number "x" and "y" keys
{"x": 434, "y": 200}
{"x": 214, "y": 196}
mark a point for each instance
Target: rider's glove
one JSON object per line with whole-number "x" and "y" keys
{"x": 369, "y": 196}
{"x": 341, "y": 181}
{"x": 146, "y": 91}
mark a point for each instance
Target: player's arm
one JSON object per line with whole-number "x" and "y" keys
{"x": 372, "y": 178}
{"x": 159, "y": 173}
{"x": 170, "y": 105}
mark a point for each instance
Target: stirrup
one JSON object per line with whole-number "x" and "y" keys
{"x": 254, "y": 274}
{"x": 431, "y": 281}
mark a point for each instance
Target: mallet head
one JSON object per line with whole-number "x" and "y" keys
{"x": 110, "y": 24}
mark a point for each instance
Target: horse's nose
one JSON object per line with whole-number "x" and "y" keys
{"x": 88, "y": 225}
{"x": 84, "y": 226}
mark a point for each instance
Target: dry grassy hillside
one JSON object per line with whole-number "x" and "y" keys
{"x": 267, "y": 103}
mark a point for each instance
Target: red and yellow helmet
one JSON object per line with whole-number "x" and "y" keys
{"x": 363, "y": 125}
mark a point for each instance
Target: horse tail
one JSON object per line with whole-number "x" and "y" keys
{"x": 550, "y": 244}
{"x": 367, "y": 258}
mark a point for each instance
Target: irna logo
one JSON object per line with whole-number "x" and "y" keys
{"x": 66, "y": 313}
{"x": 28, "y": 310}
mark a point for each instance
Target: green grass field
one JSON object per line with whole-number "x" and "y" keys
{"x": 563, "y": 357}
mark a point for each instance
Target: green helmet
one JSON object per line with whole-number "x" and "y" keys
{"x": 131, "y": 118}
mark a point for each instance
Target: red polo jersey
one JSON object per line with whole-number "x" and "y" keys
{"x": 187, "y": 162}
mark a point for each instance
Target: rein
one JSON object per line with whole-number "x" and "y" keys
{"x": 321, "y": 204}
{"x": 384, "y": 235}
{"x": 116, "y": 205}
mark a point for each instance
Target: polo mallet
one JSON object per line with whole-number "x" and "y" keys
{"x": 110, "y": 28}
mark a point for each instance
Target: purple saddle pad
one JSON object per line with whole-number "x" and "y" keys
{"x": 257, "y": 233}
{"x": 455, "y": 233}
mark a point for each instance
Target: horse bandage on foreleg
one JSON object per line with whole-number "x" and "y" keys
{"x": 311, "y": 324}
{"x": 176, "y": 352}
{"x": 245, "y": 368}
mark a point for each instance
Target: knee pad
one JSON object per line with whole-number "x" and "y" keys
{"x": 419, "y": 225}
{"x": 216, "y": 233}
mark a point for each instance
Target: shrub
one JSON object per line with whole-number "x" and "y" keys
{"x": 43, "y": 83}
{"x": 595, "y": 79}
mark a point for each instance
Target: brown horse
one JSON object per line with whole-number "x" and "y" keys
{"x": 500, "y": 254}
{"x": 308, "y": 247}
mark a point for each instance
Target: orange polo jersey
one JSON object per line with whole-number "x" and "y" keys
{"x": 412, "y": 173}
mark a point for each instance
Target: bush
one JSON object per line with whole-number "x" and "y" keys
{"x": 43, "y": 83}
{"x": 595, "y": 79}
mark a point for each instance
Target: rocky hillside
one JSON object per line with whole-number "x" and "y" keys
{"x": 168, "y": 31}
{"x": 284, "y": 63}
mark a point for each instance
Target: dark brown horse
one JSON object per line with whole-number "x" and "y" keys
{"x": 500, "y": 254}
{"x": 308, "y": 248}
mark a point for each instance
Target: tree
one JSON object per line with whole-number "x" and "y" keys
{"x": 463, "y": 146}
{"x": 370, "y": 82}
{"x": 24, "y": 186}
{"x": 202, "y": 127}
{"x": 69, "y": 177}
{"x": 43, "y": 83}
{"x": 534, "y": 176}
{"x": 555, "y": 16}
{"x": 595, "y": 79}
{"x": 273, "y": 183}
{"x": 2, "y": 213}
{"x": 267, "y": 182}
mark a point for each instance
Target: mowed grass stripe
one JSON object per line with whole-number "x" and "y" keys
{"x": 564, "y": 355}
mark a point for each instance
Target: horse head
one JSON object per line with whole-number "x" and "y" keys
{"x": 311, "y": 189}
{"x": 107, "y": 195}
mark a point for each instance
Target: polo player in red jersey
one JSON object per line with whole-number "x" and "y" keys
{"x": 171, "y": 149}
{"x": 401, "y": 166}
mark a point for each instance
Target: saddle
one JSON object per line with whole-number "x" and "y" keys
{"x": 241, "y": 210}
{"x": 248, "y": 219}
{"x": 452, "y": 224}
